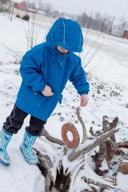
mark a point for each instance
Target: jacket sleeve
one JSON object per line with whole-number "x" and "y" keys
{"x": 78, "y": 78}
{"x": 30, "y": 70}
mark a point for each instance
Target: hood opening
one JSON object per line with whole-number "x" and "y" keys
{"x": 67, "y": 34}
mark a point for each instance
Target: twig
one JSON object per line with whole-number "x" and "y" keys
{"x": 83, "y": 125}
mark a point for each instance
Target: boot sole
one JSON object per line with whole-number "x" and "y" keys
{"x": 3, "y": 163}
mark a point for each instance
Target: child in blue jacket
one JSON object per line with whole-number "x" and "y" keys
{"x": 45, "y": 70}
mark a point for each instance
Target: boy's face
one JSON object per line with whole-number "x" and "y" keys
{"x": 62, "y": 50}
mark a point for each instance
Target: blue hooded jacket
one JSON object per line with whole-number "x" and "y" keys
{"x": 45, "y": 65}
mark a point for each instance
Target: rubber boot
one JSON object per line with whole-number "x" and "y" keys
{"x": 4, "y": 141}
{"x": 26, "y": 148}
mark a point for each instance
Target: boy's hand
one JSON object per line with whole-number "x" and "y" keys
{"x": 84, "y": 100}
{"x": 47, "y": 91}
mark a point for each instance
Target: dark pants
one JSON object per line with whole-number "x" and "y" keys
{"x": 15, "y": 121}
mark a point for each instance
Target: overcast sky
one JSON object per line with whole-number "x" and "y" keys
{"x": 118, "y": 8}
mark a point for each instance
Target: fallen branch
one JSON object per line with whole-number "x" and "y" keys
{"x": 123, "y": 144}
{"x": 100, "y": 184}
{"x": 50, "y": 138}
{"x": 45, "y": 165}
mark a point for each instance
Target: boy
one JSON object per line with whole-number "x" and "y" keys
{"x": 45, "y": 70}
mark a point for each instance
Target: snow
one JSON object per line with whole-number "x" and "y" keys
{"x": 108, "y": 77}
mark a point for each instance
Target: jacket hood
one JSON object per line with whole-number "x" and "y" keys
{"x": 66, "y": 33}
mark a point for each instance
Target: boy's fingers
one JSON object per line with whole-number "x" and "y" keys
{"x": 47, "y": 91}
{"x": 51, "y": 93}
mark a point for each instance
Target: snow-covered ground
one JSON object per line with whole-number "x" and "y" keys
{"x": 108, "y": 76}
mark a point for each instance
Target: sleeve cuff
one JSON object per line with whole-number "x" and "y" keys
{"x": 83, "y": 92}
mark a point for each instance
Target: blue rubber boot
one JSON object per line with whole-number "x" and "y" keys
{"x": 4, "y": 141}
{"x": 26, "y": 148}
